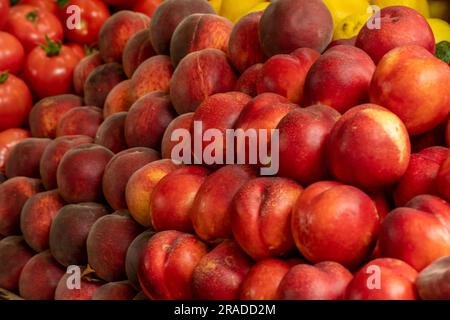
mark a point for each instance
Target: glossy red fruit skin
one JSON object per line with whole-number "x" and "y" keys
{"x": 30, "y": 25}
{"x": 4, "y": 10}
{"x": 8, "y": 139}
{"x": 12, "y": 53}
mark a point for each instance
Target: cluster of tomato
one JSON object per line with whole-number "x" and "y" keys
{"x": 41, "y": 42}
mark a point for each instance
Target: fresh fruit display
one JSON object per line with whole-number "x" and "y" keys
{"x": 225, "y": 149}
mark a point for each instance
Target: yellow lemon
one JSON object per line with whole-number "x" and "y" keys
{"x": 349, "y": 27}
{"x": 216, "y": 4}
{"x": 260, "y": 7}
{"x": 234, "y": 9}
{"x": 340, "y": 9}
{"x": 440, "y": 9}
{"x": 441, "y": 29}
{"x": 418, "y": 5}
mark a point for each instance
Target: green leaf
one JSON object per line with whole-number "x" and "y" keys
{"x": 3, "y": 77}
{"x": 443, "y": 51}
{"x": 62, "y": 3}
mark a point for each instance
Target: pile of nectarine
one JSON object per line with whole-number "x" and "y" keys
{"x": 358, "y": 132}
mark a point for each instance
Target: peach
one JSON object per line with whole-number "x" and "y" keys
{"x": 199, "y": 75}
{"x": 432, "y": 282}
{"x": 337, "y": 42}
{"x": 106, "y": 252}
{"x": 173, "y": 197}
{"x": 80, "y": 172}
{"x": 70, "y": 229}
{"x": 220, "y": 112}
{"x": 433, "y": 205}
{"x": 303, "y": 137}
{"x": 119, "y": 170}
{"x": 100, "y": 82}
{"x": 168, "y": 16}
{"x": 291, "y": 24}
{"x": 52, "y": 155}
{"x": 261, "y": 217}
{"x": 426, "y": 79}
{"x": 248, "y": 80}
{"x": 116, "y": 31}
{"x": 141, "y": 296}
{"x": 383, "y": 279}
{"x": 83, "y": 70}
{"x": 263, "y": 279}
{"x": 111, "y": 133}
{"x": 14, "y": 255}
{"x": 264, "y": 112}
{"x": 138, "y": 49}
{"x": 211, "y": 211}
{"x": 340, "y": 69}
{"x": 8, "y": 139}
{"x": 244, "y": 48}
{"x": 134, "y": 256}
{"x": 168, "y": 263}
{"x": 39, "y": 277}
{"x": 88, "y": 285}
{"x": 420, "y": 177}
{"x": 443, "y": 179}
{"x": 324, "y": 281}
{"x": 199, "y": 31}
{"x": 285, "y": 74}
{"x": 118, "y": 99}
{"x": 333, "y": 222}
{"x": 13, "y": 195}
{"x": 183, "y": 121}
{"x": 147, "y": 120}
{"x": 220, "y": 273}
{"x": 37, "y": 216}
{"x": 46, "y": 114}
{"x": 24, "y": 158}
{"x": 398, "y": 26}
{"x": 140, "y": 187}
{"x": 80, "y": 121}
{"x": 368, "y": 147}
{"x": 153, "y": 74}
{"x": 414, "y": 236}
{"x": 122, "y": 290}
{"x": 382, "y": 202}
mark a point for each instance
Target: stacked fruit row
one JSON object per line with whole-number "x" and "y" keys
{"x": 359, "y": 206}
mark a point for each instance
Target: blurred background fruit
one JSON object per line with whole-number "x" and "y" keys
{"x": 419, "y": 5}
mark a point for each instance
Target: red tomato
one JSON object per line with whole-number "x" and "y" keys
{"x": 146, "y": 7}
{"x": 8, "y": 139}
{"x": 77, "y": 49}
{"x": 15, "y": 101}
{"x": 93, "y": 14}
{"x": 4, "y": 10}
{"x": 12, "y": 54}
{"x": 30, "y": 25}
{"x": 49, "y": 69}
{"x": 49, "y": 5}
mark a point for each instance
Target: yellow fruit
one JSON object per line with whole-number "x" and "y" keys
{"x": 440, "y": 9}
{"x": 259, "y": 7}
{"x": 234, "y": 9}
{"x": 216, "y": 4}
{"x": 441, "y": 29}
{"x": 340, "y": 9}
{"x": 418, "y": 5}
{"x": 350, "y": 26}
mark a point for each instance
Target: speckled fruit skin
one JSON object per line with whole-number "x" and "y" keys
{"x": 80, "y": 121}
{"x": 340, "y": 69}
{"x": 399, "y": 26}
{"x": 324, "y": 281}
{"x": 220, "y": 273}
{"x": 138, "y": 49}
{"x": 425, "y": 79}
{"x": 199, "y": 75}
{"x": 418, "y": 233}
{"x": 168, "y": 264}
{"x": 304, "y": 133}
{"x": 396, "y": 281}
{"x": 24, "y": 158}
{"x": 263, "y": 279}
{"x": 261, "y": 217}
{"x": 197, "y": 32}
{"x": 335, "y": 222}
{"x": 111, "y": 133}
{"x": 211, "y": 211}
{"x": 120, "y": 290}
{"x": 368, "y": 147}
{"x": 183, "y": 121}
{"x": 88, "y": 286}
{"x": 248, "y": 80}
{"x": 291, "y": 24}
{"x": 244, "y": 48}
{"x": 118, "y": 99}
